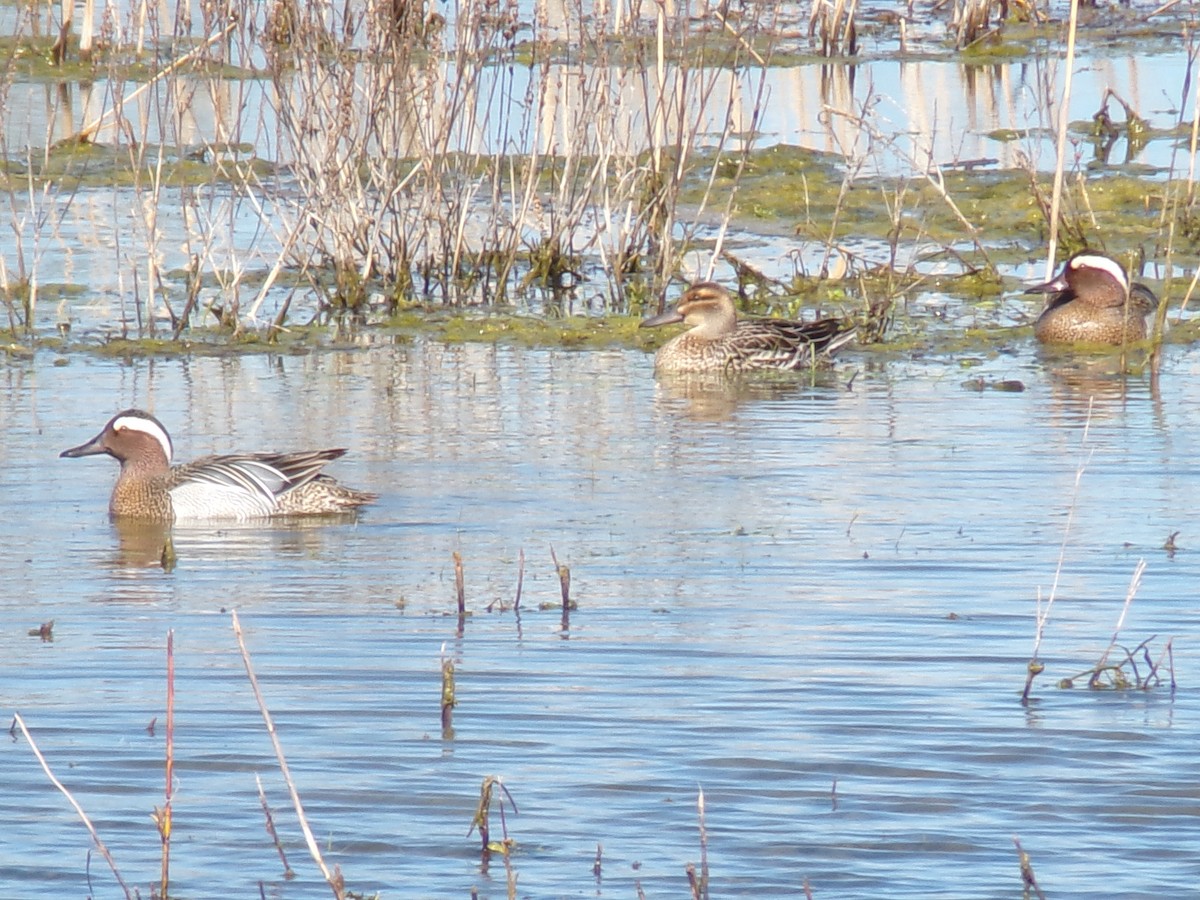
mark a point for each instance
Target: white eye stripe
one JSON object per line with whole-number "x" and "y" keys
{"x": 146, "y": 426}
{"x": 1111, "y": 266}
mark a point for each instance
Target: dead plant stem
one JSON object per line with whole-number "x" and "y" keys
{"x": 1134, "y": 583}
{"x": 78, "y": 809}
{"x": 1064, "y": 118}
{"x": 88, "y": 131}
{"x": 1035, "y": 667}
{"x": 333, "y": 879}
{"x": 164, "y": 822}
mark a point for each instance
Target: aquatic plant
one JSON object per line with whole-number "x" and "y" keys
{"x": 389, "y": 164}
{"x": 481, "y": 821}
{"x": 1124, "y": 675}
{"x": 332, "y": 877}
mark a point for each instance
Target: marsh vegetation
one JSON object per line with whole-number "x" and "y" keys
{"x": 252, "y": 168}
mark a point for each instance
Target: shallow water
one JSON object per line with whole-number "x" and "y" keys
{"x": 814, "y": 603}
{"x": 937, "y": 112}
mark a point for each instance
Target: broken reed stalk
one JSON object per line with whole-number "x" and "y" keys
{"x": 269, "y": 821}
{"x": 564, "y": 583}
{"x": 164, "y": 819}
{"x": 333, "y": 879}
{"x": 698, "y": 882}
{"x": 112, "y": 864}
{"x": 1193, "y": 140}
{"x": 1060, "y": 138}
{"x": 1027, "y": 877}
{"x": 520, "y": 579}
{"x": 459, "y": 588}
{"x": 596, "y": 863}
{"x": 448, "y": 700}
{"x": 1035, "y": 667}
{"x": 483, "y": 811}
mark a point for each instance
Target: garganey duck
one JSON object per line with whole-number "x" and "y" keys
{"x": 234, "y": 486}
{"x": 719, "y": 342}
{"x": 1093, "y": 302}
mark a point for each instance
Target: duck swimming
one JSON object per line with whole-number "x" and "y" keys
{"x": 1093, "y": 302}
{"x": 233, "y": 486}
{"x": 719, "y": 342}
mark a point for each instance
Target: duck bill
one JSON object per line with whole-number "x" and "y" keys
{"x": 1054, "y": 286}
{"x": 670, "y": 317}
{"x": 93, "y": 447}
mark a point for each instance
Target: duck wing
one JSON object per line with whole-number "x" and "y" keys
{"x": 785, "y": 344}
{"x": 242, "y": 485}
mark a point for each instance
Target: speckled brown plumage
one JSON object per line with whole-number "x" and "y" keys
{"x": 720, "y": 342}
{"x": 1093, "y": 302}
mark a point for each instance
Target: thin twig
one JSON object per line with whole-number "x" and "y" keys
{"x": 1134, "y": 583}
{"x": 269, "y": 821}
{"x": 78, "y": 809}
{"x": 86, "y": 133}
{"x": 164, "y": 824}
{"x": 520, "y": 579}
{"x": 333, "y": 879}
{"x": 1035, "y": 666}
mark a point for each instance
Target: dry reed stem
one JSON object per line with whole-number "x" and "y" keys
{"x": 112, "y": 864}
{"x": 1192, "y": 144}
{"x": 1169, "y": 653}
{"x": 86, "y": 133}
{"x": 459, "y": 588}
{"x": 1028, "y": 880}
{"x": 1060, "y": 138}
{"x": 1035, "y": 667}
{"x": 520, "y": 579}
{"x": 164, "y": 821}
{"x": 448, "y": 696}
{"x": 333, "y": 879}
{"x": 564, "y": 584}
{"x": 932, "y": 174}
{"x": 1134, "y": 583}
{"x": 1170, "y": 4}
{"x": 269, "y": 823}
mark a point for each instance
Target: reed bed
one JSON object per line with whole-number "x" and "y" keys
{"x": 364, "y": 160}
{"x": 406, "y": 156}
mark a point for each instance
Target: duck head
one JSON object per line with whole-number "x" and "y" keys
{"x": 706, "y": 307}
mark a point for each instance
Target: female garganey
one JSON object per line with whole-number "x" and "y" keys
{"x": 1093, "y": 302}
{"x": 238, "y": 486}
{"x": 719, "y": 342}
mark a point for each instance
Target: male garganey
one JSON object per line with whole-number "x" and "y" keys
{"x": 237, "y": 486}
